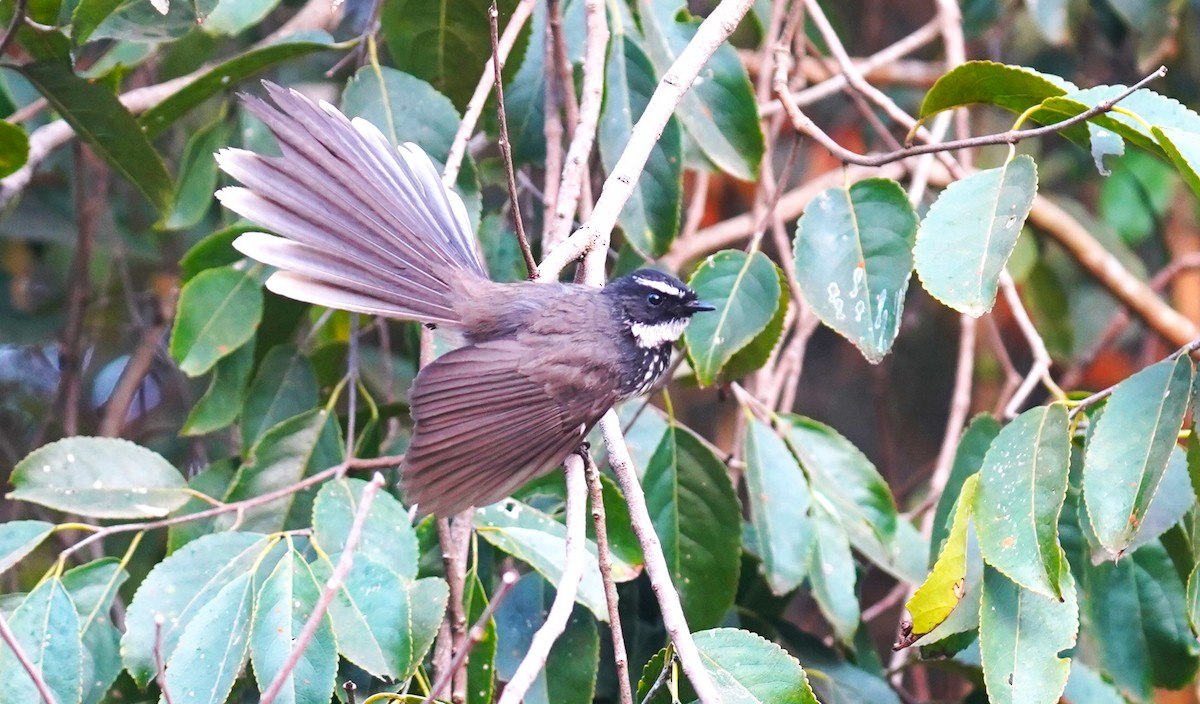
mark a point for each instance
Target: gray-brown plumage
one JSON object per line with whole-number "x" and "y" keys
{"x": 369, "y": 227}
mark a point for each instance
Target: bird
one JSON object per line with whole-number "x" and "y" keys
{"x": 359, "y": 224}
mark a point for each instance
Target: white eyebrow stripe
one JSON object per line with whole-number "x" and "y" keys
{"x": 660, "y": 286}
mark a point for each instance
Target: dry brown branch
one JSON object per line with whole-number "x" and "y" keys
{"x": 604, "y": 557}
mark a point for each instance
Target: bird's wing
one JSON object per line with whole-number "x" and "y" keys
{"x": 486, "y": 424}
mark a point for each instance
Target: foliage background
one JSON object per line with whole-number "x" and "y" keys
{"x": 797, "y": 487}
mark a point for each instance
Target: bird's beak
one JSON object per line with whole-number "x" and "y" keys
{"x": 700, "y": 307}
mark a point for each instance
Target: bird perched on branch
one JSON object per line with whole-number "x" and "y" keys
{"x": 368, "y": 227}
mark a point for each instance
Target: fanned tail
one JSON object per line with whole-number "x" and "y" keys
{"x": 366, "y": 226}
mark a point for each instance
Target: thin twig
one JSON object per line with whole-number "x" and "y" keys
{"x": 552, "y": 128}
{"x": 140, "y": 362}
{"x": 1039, "y": 369}
{"x": 160, "y": 668}
{"x": 668, "y": 665}
{"x": 1099, "y": 396}
{"x": 567, "y": 587}
{"x": 39, "y": 683}
{"x": 618, "y": 187}
{"x": 332, "y": 585}
{"x": 14, "y": 24}
{"x": 656, "y": 564}
{"x": 620, "y": 656}
{"x": 458, "y": 147}
{"x": 506, "y": 147}
{"x": 475, "y": 635}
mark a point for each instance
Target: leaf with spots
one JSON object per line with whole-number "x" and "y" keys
{"x": 387, "y": 537}
{"x": 745, "y": 289}
{"x": 213, "y": 646}
{"x": 853, "y": 259}
{"x": 1022, "y": 486}
{"x": 832, "y": 573}
{"x": 970, "y": 232}
{"x": 945, "y": 587}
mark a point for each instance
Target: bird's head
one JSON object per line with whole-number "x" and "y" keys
{"x": 655, "y": 306}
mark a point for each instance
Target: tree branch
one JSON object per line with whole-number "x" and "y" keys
{"x": 620, "y": 656}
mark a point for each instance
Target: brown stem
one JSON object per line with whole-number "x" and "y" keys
{"x": 620, "y": 656}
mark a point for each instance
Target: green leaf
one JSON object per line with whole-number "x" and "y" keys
{"x": 88, "y": 15}
{"x": 213, "y": 646}
{"x": 221, "y": 78}
{"x": 19, "y": 538}
{"x": 442, "y": 42}
{"x": 525, "y": 95}
{"x": 213, "y": 251}
{"x": 1128, "y": 452}
{"x": 1014, "y": 88}
{"x": 755, "y": 354}
{"x": 99, "y": 477}
{"x": 968, "y": 458}
{"x": 1021, "y": 636}
{"x": 1022, "y": 486}
{"x": 197, "y": 176}
{"x": 537, "y": 539}
{"x": 407, "y": 109}
{"x": 943, "y": 590}
{"x": 853, "y": 254}
{"x": 970, "y": 232}
{"x": 284, "y": 386}
{"x": 222, "y": 400}
{"x": 745, "y": 668}
{"x": 212, "y": 481}
{"x": 1086, "y": 685}
{"x": 861, "y": 499}
{"x": 99, "y": 118}
{"x": 46, "y": 627}
{"x": 719, "y": 110}
{"x": 650, "y": 219}
{"x": 697, "y": 517}
{"x": 387, "y": 536}
{"x": 384, "y": 623}
{"x": 135, "y": 20}
{"x": 232, "y": 17}
{"x": 14, "y": 148}
{"x": 1050, "y": 18}
{"x": 1171, "y": 502}
{"x": 1183, "y": 149}
{"x": 92, "y": 588}
{"x": 572, "y": 668}
{"x": 832, "y": 573}
{"x": 283, "y": 606}
{"x": 745, "y": 290}
{"x": 175, "y": 591}
{"x": 287, "y": 453}
{"x": 218, "y": 312}
{"x": 481, "y": 665}
{"x": 779, "y": 508}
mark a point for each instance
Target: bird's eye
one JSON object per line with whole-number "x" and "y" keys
{"x": 654, "y": 299}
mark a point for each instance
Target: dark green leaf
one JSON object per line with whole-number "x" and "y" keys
{"x": 222, "y": 400}
{"x": 387, "y": 537}
{"x": 1021, "y": 637}
{"x": 135, "y": 20}
{"x": 197, "y": 176}
{"x": 213, "y": 251}
{"x": 223, "y": 77}
{"x": 99, "y": 118}
{"x": 88, "y": 15}
{"x": 218, "y": 312}
{"x": 970, "y": 232}
{"x": 285, "y": 386}
{"x": 14, "y": 148}
{"x": 1183, "y": 149}
{"x": 853, "y": 254}
{"x": 443, "y": 42}
{"x": 481, "y": 665}
{"x": 697, "y": 518}
{"x": 968, "y": 458}
{"x": 99, "y": 477}
{"x": 283, "y": 606}
{"x": 92, "y": 588}
{"x": 779, "y": 508}
{"x": 1022, "y": 485}
{"x": 235, "y": 17}
{"x": 176, "y": 589}
{"x": 650, "y": 219}
{"x": 1128, "y": 452}
{"x": 19, "y": 538}
{"x": 755, "y": 354}
{"x": 1014, "y": 88}
{"x": 287, "y": 453}
{"x": 719, "y": 111}
{"x": 745, "y": 290}
{"x": 525, "y": 95}
{"x": 47, "y": 628}
{"x": 212, "y": 481}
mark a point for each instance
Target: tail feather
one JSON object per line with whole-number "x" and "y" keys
{"x": 372, "y": 227}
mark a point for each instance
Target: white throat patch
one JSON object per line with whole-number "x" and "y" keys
{"x": 659, "y": 286}
{"x": 656, "y": 334}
